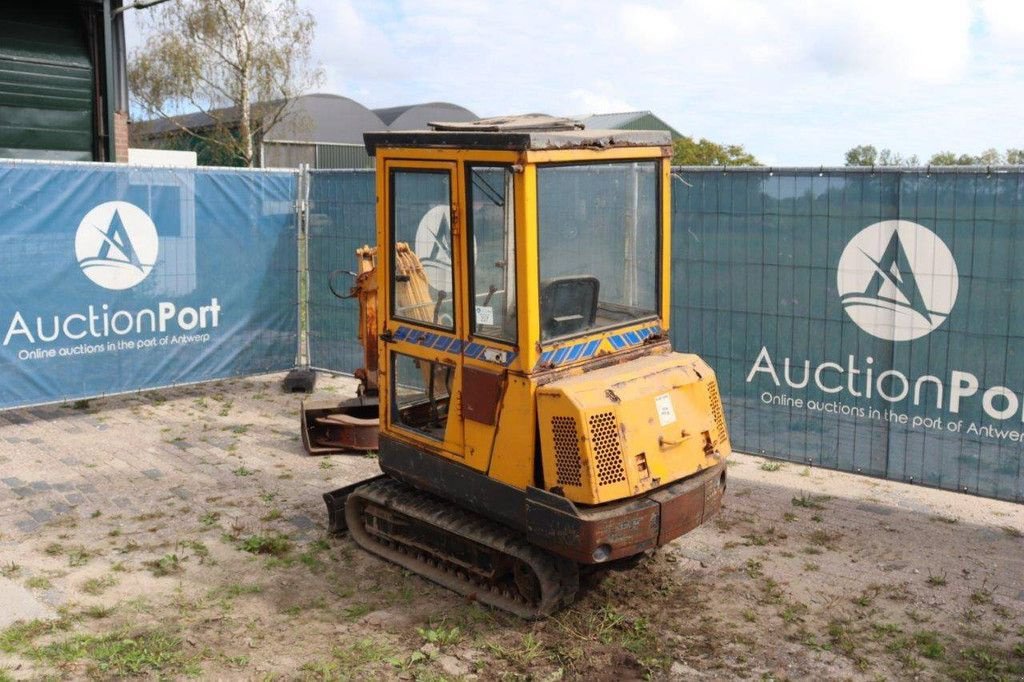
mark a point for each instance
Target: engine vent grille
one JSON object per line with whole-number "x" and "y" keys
{"x": 604, "y": 432}
{"x": 716, "y": 410}
{"x": 567, "y": 451}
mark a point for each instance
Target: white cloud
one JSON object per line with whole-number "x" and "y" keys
{"x": 590, "y": 102}
{"x": 796, "y": 81}
{"x": 648, "y": 28}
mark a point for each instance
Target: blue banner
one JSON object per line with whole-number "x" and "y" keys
{"x": 117, "y": 278}
{"x": 863, "y": 320}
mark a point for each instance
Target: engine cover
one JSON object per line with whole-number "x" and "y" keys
{"x": 620, "y": 431}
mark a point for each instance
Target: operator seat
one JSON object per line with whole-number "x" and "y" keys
{"x": 568, "y": 305}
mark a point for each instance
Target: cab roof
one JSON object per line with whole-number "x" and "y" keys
{"x": 515, "y": 133}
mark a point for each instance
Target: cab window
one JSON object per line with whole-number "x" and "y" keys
{"x": 421, "y": 249}
{"x": 492, "y": 231}
{"x": 598, "y": 238}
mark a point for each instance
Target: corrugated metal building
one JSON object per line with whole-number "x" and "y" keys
{"x": 418, "y": 116}
{"x": 321, "y": 130}
{"x": 335, "y": 130}
{"x": 627, "y": 120}
{"x": 63, "y": 86}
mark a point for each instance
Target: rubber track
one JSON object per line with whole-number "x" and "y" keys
{"x": 558, "y": 577}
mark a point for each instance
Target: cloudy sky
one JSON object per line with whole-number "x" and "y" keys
{"x": 796, "y": 81}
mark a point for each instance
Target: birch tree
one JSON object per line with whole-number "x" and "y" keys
{"x": 238, "y": 63}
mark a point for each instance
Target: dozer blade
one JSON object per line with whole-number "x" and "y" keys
{"x": 331, "y": 426}
{"x": 462, "y": 551}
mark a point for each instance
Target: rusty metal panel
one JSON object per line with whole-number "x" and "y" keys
{"x": 481, "y": 393}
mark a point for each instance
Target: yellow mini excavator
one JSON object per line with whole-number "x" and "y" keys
{"x": 532, "y": 414}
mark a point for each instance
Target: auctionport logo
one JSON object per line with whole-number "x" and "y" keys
{"x": 116, "y": 245}
{"x": 897, "y": 280}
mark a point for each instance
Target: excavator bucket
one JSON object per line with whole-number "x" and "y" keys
{"x": 331, "y": 426}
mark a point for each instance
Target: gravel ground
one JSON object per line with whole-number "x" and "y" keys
{"x": 181, "y": 533}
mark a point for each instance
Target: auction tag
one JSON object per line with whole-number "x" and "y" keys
{"x": 484, "y": 314}
{"x": 666, "y": 415}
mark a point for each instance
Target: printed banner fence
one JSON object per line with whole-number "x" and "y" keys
{"x": 864, "y": 321}
{"x": 116, "y": 278}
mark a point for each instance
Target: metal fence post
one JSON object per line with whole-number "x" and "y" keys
{"x": 302, "y": 278}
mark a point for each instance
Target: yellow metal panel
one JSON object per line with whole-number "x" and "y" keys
{"x": 512, "y": 455}
{"x": 640, "y": 424}
{"x": 437, "y": 154}
{"x": 586, "y": 155}
{"x": 666, "y": 243}
{"x": 528, "y": 266}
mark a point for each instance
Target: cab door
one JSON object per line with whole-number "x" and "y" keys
{"x": 424, "y": 329}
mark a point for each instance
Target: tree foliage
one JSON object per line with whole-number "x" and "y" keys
{"x": 867, "y": 155}
{"x": 989, "y": 157}
{"x": 689, "y": 152}
{"x": 239, "y": 62}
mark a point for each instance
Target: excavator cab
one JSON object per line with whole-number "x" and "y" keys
{"x": 533, "y": 416}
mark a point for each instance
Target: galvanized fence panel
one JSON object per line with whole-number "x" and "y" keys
{"x": 341, "y": 218}
{"x": 804, "y": 298}
{"x": 116, "y": 278}
{"x": 756, "y": 291}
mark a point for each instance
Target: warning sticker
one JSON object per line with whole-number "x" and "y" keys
{"x": 484, "y": 314}
{"x": 666, "y": 415}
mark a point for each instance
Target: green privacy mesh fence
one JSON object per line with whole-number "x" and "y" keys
{"x": 861, "y": 321}
{"x": 867, "y": 321}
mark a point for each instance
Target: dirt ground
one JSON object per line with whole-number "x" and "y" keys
{"x": 181, "y": 533}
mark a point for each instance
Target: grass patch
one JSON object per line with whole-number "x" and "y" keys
{"x": 199, "y": 550}
{"x": 441, "y": 636}
{"x": 22, "y": 634}
{"x": 822, "y": 538}
{"x": 10, "y": 570}
{"x": 357, "y": 611}
{"x": 168, "y": 564}
{"x": 97, "y": 612}
{"x": 981, "y": 596}
{"x": 768, "y": 465}
{"x": 273, "y": 544}
{"x": 810, "y": 501}
{"x": 987, "y": 663}
{"x": 119, "y": 654}
{"x": 79, "y": 556}
{"x": 97, "y": 586}
{"x": 242, "y": 471}
{"x": 38, "y": 582}
{"x": 1013, "y": 532}
{"x": 936, "y": 580}
{"x": 272, "y": 515}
